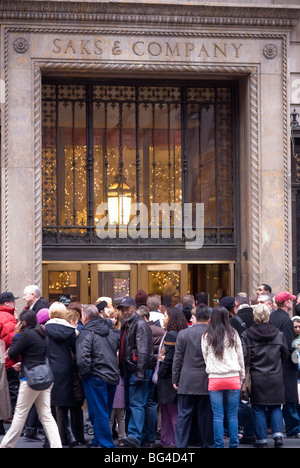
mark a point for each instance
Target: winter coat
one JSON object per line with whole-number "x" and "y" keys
{"x": 137, "y": 347}
{"x": 7, "y": 329}
{"x": 246, "y": 315}
{"x": 189, "y": 370}
{"x": 281, "y": 320}
{"x": 166, "y": 394}
{"x": 32, "y": 348}
{"x": 157, "y": 335}
{"x": 5, "y": 403}
{"x": 41, "y": 303}
{"x": 62, "y": 343}
{"x": 268, "y": 351}
{"x": 96, "y": 352}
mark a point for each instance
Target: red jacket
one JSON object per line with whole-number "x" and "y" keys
{"x": 7, "y": 329}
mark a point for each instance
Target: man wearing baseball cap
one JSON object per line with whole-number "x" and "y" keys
{"x": 280, "y": 318}
{"x": 136, "y": 366}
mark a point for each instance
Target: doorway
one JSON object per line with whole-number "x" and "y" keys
{"x": 86, "y": 282}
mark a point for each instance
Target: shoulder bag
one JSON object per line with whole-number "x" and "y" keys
{"x": 246, "y": 385}
{"x": 39, "y": 377}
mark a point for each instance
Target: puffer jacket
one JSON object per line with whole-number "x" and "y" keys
{"x": 96, "y": 352}
{"x": 137, "y": 349}
{"x": 7, "y": 329}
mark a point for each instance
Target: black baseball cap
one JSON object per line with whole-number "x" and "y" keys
{"x": 228, "y": 302}
{"x": 101, "y": 305}
{"x": 126, "y": 302}
{"x": 7, "y": 297}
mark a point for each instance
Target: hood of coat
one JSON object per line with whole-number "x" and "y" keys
{"x": 59, "y": 329}
{"x": 262, "y": 332}
{"x": 99, "y": 326}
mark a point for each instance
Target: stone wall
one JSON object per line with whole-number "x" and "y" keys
{"x": 256, "y": 46}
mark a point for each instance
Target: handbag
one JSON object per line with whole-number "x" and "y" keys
{"x": 155, "y": 374}
{"x": 39, "y": 377}
{"x": 246, "y": 385}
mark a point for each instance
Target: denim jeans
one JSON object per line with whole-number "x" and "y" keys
{"x": 100, "y": 397}
{"x": 291, "y": 419}
{"x": 136, "y": 405}
{"x": 260, "y": 422}
{"x": 217, "y": 404}
{"x": 150, "y": 425}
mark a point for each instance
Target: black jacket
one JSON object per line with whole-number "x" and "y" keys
{"x": 246, "y": 316}
{"x": 268, "y": 353}
{"x": 62, "y": 346}
{"x": 166, "y": 394}
{"x": 31, "y": 347}
{"x": 281, "y": 320}
{"x": 96, "y": 352}
{"x": 41, "y": 303}
{"x": 137, "y": 347}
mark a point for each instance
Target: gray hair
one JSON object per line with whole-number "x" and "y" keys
{"x": 91, "y": 312}
{"x": 153, "y": 302}
{"x": 242, "y": 298}
{"x": 32, "y": 288}
{"x": 267, "y": 297}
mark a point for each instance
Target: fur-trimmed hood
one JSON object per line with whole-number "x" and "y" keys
{"x": 262, "y": 332}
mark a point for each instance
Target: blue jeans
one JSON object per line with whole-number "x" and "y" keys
{"x": 100, "y": 397}
{"x": 217, "y": 404}
{"x": 292, "y": 419}
{"x": 260, "y": 422}
{"x": 150, "y": 425}
{"x": 136, "y": 405}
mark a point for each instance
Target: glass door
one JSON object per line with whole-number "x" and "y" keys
{"x": 66, "y": 282}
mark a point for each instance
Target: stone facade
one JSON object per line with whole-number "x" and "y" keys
{"x": 259, "y": 46}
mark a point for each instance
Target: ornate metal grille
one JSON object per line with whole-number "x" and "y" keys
{"x": 172, "y": 144}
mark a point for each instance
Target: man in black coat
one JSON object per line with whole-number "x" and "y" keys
{"x": 33, "y": 298}
{"x": 190, "y": 379}
{"x": 244, "y": 317}
{"x": 136, "y": 365}
{"x": 96, "y": 357}
{"x": 280, "y": 319}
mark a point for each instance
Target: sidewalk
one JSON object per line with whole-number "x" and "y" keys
{"x": 23, "y": 443}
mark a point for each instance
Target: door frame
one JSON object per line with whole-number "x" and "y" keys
{"x": 89, "y": 287}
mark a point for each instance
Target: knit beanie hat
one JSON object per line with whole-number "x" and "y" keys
{"x": 141, "y": 297}
{"x": 42, "y": 316}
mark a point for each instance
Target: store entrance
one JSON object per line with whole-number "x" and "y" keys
{"x": 86, "y": 282}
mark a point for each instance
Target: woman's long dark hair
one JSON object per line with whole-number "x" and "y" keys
{"x": 177, "y": 320}
{"x": 219, "y": 327}
{"x": 29, "y": 317}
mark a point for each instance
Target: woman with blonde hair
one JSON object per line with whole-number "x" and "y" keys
{"x": 268, "y": 352}
{"x": 62, "y": 348}
{"x": 115, "y": 316}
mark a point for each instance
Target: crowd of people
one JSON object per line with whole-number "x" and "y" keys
{"x": 152, "y": 374}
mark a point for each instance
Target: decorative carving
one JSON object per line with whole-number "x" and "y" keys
{"x": 149, "y": 68}
{"x": 21, "y": 45}
{"x": 270, "y": 51}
